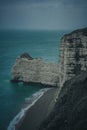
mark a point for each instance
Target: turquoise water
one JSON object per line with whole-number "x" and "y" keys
{"x": 13, "y": 43}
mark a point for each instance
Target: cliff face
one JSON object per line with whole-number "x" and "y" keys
{"x": 73, "y": 54}
{"x": 35, "y": 70}
{"x": 70, "y": 111}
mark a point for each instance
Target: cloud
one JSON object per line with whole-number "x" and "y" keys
{"x": 45, "y": 14}
{"x": 30, "y": 4}
{"x": 64, "y": 2}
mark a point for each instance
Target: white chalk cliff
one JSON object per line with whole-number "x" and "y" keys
{"x": 72, "y": 61}
{"x": 73, "y": 54}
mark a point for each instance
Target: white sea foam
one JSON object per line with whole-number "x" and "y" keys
{"x": 30, "y": 102}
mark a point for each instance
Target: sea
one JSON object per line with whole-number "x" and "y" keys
{"x": 13, "y": 43}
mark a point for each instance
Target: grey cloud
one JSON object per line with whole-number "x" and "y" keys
{"x": 43, "y": 14}
{"x": 4, "y": 2}
{"x": 65, "y": 2}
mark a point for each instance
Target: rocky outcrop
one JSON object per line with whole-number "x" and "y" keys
{"x": 35, "y": 71}
{"x": 70, "y": 111}
{"x": 73, "y": 54}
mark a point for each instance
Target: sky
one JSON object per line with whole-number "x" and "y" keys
{"x": 43, "y": 14}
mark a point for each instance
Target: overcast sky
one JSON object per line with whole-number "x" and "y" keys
{"x": 43, "y": 14}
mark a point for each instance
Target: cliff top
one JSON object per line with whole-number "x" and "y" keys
{"x": 77, "y": 34}
{"x": 82, "y": 31}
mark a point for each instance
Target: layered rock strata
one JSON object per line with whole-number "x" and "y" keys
{"x": 73, "y": 54}
{"x": 35, "y": 71}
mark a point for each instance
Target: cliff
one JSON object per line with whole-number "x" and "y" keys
{"x": 70, "y": 111}
{"x": 73, "y": 54}
{"x": 72, "y": 61}
{"x": 35, "y": 71}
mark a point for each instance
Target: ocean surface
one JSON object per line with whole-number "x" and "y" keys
{"x": 13, "y": 43}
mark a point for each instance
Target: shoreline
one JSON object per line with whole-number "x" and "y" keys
{"x": 38, "y": 112}
{"x": 35, "y": 102}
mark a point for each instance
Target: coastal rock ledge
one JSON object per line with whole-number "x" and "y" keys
{"x": 35, "y": 71}
{"x": 72, "y": 61}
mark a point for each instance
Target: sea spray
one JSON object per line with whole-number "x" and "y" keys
{"x": 30, "y": 102}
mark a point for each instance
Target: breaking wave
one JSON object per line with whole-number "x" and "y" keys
{"x": 28, "y": 103}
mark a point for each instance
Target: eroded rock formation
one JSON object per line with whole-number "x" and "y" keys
{"x": 72, "y": 61}
{"x": 35, "y": 70}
